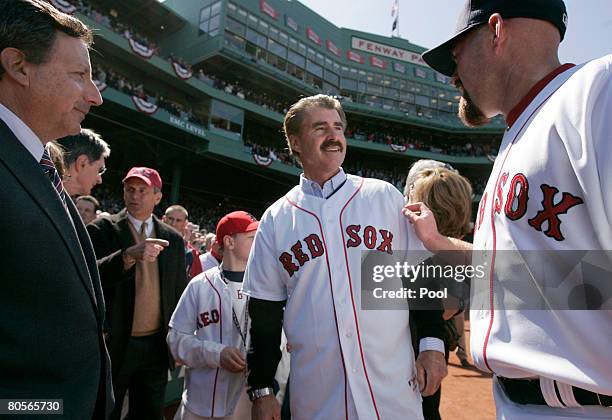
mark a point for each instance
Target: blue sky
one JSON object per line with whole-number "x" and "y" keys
{"x": 428, "y": 23}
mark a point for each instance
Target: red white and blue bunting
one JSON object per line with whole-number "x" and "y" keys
{"x": 181, "y": 71}
{"x": 64, "y": 6}
{"x": 141, "y": 50}
{"x": 144, "y": 106}
{"x": 399, "y": 148}
{"x": 262, "y": 161}
{"x": 100, "y": 85}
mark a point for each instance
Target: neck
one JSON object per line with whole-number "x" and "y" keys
{"x": 141, "y": 218}
{"x": 11, "y": 99}
{"x": 521, "y": 78}
{"x": 322, "y": 177}
{"x": 231, "y": 263}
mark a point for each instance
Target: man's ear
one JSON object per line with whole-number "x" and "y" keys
{"x": 497, "y": 28}
{"x": 295, "y": 143}
{"x": 15, "y": 65}
{"x": 159, "y": 197}
{"x": 80, "y": 163}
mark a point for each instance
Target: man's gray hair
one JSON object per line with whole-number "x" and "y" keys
{"x": 88, "y": 143}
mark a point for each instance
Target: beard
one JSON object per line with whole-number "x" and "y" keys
{"x": 469, "y": 112}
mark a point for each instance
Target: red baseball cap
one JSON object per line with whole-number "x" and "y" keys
{"x": 149, "y": 176}
{"x": 235, "y": 222}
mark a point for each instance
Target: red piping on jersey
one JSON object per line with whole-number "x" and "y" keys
{"x": 491, "y": 293}
{"x": 533, "y": 92}
{"x": 348, "y": 270}
{"x": 212, "y": 413}
{"x": 333, "y": 301}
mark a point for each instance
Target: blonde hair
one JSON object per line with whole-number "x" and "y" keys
{"x": 292, "y": 125}
{"x": 449, "y": 196}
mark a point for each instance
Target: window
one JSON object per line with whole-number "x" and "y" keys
{"x": 234, "y": 41}
{"x": 234, "y": 26}
{"x": 210, "y": 18}
{"x": 256, "y": 38}
{"x": 277, "y": 48}
{"x": 348, "y": 84}
{"x": 311, "y": 54}
{"x": 263, "y": 27}
{"x": 278, "y": 62}
{"x": 293, "y": 44}
{"x": 274, "y": 34}
{"x": 422, "y": 100}
{"x": 314, "y": 68}
{"x": 252, "y": 21}
{"x": 332, "y": 78}
{"x": 295, "y": 71}
{"x": 283, "y": 39}
{"x": 296, "y": 59}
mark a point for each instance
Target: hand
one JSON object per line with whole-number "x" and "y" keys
{"x": 232, "y": 360}
{"x": 266, "y": 408}
{"x": 424, "y": 222}
{"x": 147, "y": 250}
{"x": 431, "y": 369}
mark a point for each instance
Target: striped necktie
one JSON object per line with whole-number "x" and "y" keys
{"x": 49, "y": 168}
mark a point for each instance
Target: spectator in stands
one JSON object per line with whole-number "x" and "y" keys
{"x": 213, "y": 257}
{"x": 87, "y": 207}
{"x": 84, "y": 161}
{"x": 177, "y": 217}
{"x": 142, "y": 267}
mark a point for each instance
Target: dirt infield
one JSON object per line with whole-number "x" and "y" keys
{"x": 466, "y": 393}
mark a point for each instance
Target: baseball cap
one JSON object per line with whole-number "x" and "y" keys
{"x": 477, "y": 12}
{"x": 149, "y": 176}
{"x": 235, "y": 222}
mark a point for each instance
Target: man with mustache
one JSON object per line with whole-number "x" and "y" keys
{"x": 51, "y": 303}
{"x": 304, "y": 273}
{"x": 550, "y": 190}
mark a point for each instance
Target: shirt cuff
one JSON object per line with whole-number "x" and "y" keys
{"x": 431, "y": 343}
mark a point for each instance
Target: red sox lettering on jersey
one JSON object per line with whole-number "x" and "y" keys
{"x": 371, "y": 237}
{"x": 208, "y": 317}
{"x": 552, "y": 206}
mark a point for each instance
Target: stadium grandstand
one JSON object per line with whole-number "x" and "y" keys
{"x": 198, "y": 89}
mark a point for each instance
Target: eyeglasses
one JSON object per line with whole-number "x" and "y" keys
{"x": 102, "y": 170}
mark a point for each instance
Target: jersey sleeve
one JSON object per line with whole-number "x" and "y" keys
{"x": 185, "y": 315}
{"x": 189, "y": 350}
{"x": 601, "y": 130}
{"x": 263, "y": 278}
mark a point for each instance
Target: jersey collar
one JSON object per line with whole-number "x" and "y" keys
{"x": 533, "y": 92}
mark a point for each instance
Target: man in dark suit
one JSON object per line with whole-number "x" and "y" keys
{"x": 51, "y": 302}
{"x": 142, "y": 267}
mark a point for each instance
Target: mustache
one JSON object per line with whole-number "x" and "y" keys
{"x": 328, "y": 143}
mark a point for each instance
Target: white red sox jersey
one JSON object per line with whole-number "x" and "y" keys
{"x": 346, "y": 363}
{"x": 550, "y": 189}
{"x": 205, "y": 308}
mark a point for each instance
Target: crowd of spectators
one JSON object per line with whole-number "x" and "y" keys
{"x": 235, "y": 88}
{"x": 410, "y": 142}
{"x": 120, "y": 82}
{"x": 109, "y": 18}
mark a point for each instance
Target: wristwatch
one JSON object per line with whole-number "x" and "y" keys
{"x": 255, "y": 394}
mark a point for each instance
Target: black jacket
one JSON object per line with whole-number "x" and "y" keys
{"x": 110, "y": 237}
{"x": 51, "y": 304}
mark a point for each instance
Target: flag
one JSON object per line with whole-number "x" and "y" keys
{"x": 395, "y": 14}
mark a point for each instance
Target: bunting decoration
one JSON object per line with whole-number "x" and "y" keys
{"x": 144, "y": 106}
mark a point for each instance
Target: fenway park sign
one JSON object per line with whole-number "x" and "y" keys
{"x": 386, "y": 51}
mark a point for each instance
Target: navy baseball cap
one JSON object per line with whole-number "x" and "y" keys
{"x": 477, "y": 12}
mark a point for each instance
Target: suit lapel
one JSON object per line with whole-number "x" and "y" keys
{"x": 122, "y": 227}
{"x": 29, "y": 174}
